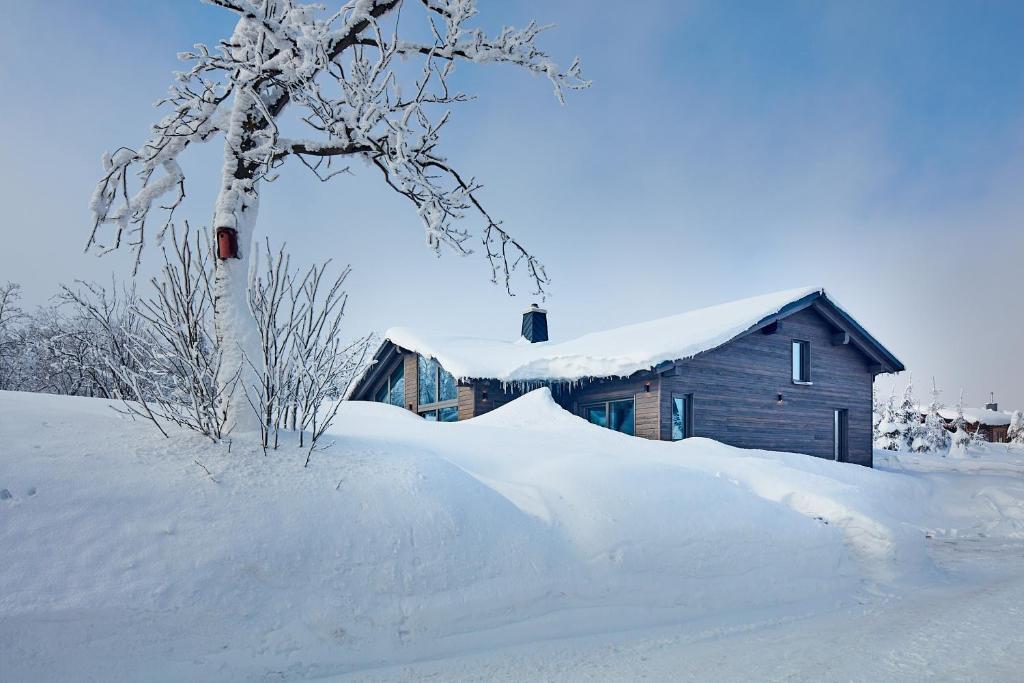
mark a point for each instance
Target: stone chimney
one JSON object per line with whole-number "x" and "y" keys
{"x": 992, "y": 405}
{"x": 535, "y": 324}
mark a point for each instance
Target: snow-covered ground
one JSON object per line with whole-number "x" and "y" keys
{"x": 523, "y": 545}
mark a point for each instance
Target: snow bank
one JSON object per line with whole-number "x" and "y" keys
{"x": 617, "y": 352}
{"x": 127, "y": 556}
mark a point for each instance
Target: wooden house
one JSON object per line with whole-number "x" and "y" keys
{"x": 790, "y": 371}
{"x": 988, "y": 423}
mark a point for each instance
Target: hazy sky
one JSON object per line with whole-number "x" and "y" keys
{"x": 726, "y": 149}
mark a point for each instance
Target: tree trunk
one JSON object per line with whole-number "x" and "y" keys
{"x": 237, "y": 208}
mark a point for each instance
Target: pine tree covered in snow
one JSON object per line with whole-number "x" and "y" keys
{"x": 890, "y": 436}
{"x": 877, "y": 408}
{"x": 933, "y": 436}
{"x": 1015, "y": 432}
{"x": 961, "y": 438}
{"x": 338, "y": 74}
{"x": 908, "y": 418}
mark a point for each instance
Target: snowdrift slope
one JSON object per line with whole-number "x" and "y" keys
{"x": 124, "y": 560}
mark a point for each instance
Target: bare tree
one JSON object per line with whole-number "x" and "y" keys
{"x": 339, "y": 70}
{"x": 11, "y": 342}
{"x": 174, "y": 376}
{"x": 305, "y": 366}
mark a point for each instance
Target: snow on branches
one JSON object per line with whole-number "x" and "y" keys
{"x": 340, "y": 72}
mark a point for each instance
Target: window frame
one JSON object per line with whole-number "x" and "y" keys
{"x": 583, "y": 407}
{"x": 434, "y": 406}
{"x": 687, "y": 400}
{"x": 841, "y": 434}
{"x": 804, "y": 377}
{"x": 388, "y": 386}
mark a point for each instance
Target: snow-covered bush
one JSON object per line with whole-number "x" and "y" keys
{"x": 175, "y": 360}
{"x": 305, "y": 366}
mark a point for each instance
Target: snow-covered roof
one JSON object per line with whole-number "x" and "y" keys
{"x": 990, "y": 418}
{"x": 618, "y": 352}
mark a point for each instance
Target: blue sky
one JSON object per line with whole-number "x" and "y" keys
{"x": 725, "y": 150}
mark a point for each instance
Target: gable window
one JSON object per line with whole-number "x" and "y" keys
{"x": 618, "y": 415}
{"x": 438, "y": 393}
{"x": 682, "y": 417}
{"x": 801, "y": 361}
{"x": 392, "y": 390}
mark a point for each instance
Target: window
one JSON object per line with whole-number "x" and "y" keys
{"x": 682, "y": 417}
{"x": 393, "y": 389}
{"x": 438, "y": 392}
{"x": 435, "y": 383}
{"x": 801, "y": 361}
{"x": 449, "y": 414}
{"x": 618, "y": 415}
{"x": 840, "y": 434}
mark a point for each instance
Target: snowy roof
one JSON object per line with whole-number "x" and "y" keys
{"x": 990, "y": 418}
{"x": 618, "y": 352}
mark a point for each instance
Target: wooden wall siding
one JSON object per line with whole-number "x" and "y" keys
{"x": 647, "y": 419}
{"x": 411, "y": 381}
{"x": 735, "y": 392}
{"x": 467, "y": 396}
{"x": 497, "y": 396}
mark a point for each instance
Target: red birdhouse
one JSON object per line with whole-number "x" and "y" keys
{"x": 227, "y": 243}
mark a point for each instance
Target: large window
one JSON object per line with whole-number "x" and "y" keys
{"x": 618, "y": 415}
{"x": 438, "y": 393}
{"x": 682, "y": 417}
{"x": 392, "y": 390}
{"x": 801, "y": 361}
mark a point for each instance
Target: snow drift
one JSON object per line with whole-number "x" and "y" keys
{"x": 178, "y": 560}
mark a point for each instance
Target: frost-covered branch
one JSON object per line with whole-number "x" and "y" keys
{"x": 339, "y": 71}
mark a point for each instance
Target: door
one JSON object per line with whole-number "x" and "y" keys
{"x": 840, "y": 434}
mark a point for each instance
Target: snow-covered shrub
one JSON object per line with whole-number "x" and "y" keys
{"x": 175, "y": 359}
{"x": 305, "y": 366}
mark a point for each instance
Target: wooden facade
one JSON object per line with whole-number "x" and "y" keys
{"x": 742, "y": 393}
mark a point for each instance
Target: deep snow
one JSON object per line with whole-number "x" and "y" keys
{"x": 124, "y": 560}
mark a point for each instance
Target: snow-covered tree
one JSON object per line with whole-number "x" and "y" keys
{"x": 933, "y": 436}
{"x": 961, "y": 439}
{"x": 1015, "y": 432}
{"x": 11, "y": 342}
{"x": 908, "y": 418}
{"x": 339, "y": 72}
{"x": 890, "y": 436}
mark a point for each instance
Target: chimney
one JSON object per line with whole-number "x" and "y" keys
{"x": 535, "y": 324}
{"x": 992, "y": 405}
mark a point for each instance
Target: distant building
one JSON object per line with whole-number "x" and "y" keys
{"x": 790, "y": 371}
{"x": 989, "y": 422}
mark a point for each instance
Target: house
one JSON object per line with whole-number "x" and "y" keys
{"x": 790, "y": 371}
{"x": 988, "y": 422}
